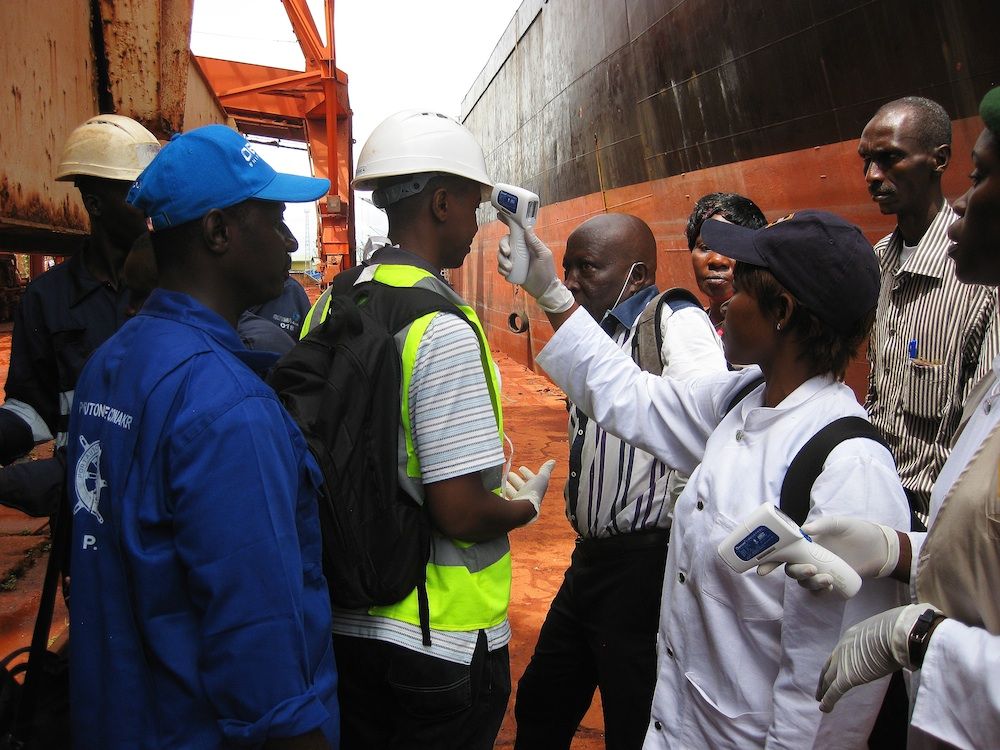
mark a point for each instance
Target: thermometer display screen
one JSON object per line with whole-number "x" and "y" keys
{"x": 756, "y": 543}
{"x": 507, "y": 201}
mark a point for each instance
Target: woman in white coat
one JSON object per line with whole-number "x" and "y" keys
{"x": 737, "y": 659}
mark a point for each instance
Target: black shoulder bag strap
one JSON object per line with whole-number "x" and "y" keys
{"x": 807, "y": 464}
{"x": 749, "y": 387}
{"x": 58, "y": 553}
{"x": 648, "y": 341}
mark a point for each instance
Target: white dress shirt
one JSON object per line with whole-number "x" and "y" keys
{"x": 613, "y": 488}
{"x": 739, "y": 656}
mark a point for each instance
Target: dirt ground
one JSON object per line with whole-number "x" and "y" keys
{"x": 535, "y": 421}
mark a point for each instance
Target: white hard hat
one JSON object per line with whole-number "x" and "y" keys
{"x": 415, "y": 142}
{"x": 109, "y": 146}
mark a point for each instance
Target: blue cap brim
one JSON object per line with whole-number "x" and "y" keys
{"x": 293, "y": 188}
{"x": 733, "y": 241}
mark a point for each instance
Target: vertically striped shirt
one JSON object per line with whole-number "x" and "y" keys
{"x": 613, "y": 487}
{"x": 933, "y": 338}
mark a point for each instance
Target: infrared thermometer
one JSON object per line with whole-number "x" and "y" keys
{"x": 768, "y": 535}
{"x": 521, "y": 206}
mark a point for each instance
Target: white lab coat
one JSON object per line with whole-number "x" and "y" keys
{"x": 739, "y": 656}
{"x": 957, "y": 689}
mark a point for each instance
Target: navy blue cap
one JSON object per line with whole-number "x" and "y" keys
{"x": 824, "y": 261}
{"x": 212, "y": 167}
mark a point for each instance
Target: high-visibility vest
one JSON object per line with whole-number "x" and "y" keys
{"x": 468, "y": 583}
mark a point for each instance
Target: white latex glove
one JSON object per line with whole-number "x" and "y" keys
{"x": 542, "y": 282}
{"x": 867, "y": 651}
{"x": 872, "y": 549}
{"x": 529, "y": 486}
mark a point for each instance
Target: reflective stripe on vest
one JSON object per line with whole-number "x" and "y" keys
{"x": 468, "y": 584}
{"x": 317, "y": 313}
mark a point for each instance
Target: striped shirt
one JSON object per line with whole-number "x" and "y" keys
{"x": 613, "y": 487}
{"x": 454, "y": 434}
{"x": 454, "y": 428}
{"x": 933, "y": 339}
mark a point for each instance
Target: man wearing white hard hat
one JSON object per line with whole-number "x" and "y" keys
{"x": 432, "y": 670}
{"x": 72, "y": 309}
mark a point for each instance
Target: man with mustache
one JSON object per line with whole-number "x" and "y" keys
{"x": 932, "y": 338}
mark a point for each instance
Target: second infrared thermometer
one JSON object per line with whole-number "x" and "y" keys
{"x": 521, "y": 206}
{"x": 768, "y": 535}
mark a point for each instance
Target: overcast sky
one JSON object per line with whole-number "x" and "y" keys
{"x": 397, "y": 54}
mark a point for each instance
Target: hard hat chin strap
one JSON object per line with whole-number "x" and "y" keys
{"x": 384, "y": 197}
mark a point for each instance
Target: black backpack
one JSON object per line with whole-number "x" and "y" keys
{"x": 648, "y": 340}
{"x": 341, "y": 384}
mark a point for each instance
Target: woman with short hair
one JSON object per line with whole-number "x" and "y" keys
{"x": 737, "y": 659}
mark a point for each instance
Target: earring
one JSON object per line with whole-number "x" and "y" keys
{"x": 778, "y": 327}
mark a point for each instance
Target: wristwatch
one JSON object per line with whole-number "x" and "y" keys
{"x": 920, "y": 635}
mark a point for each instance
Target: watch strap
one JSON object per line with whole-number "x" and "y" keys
{"x": 920, "y": 635}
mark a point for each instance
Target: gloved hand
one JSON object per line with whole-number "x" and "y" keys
{"x": 529, "y": 486}
{"x": 542, "y": 282}
{"x": 867, "y": 651}
{"x": 872, "y": 549}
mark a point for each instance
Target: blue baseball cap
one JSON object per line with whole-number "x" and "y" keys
{"x": 212, "y": 167}
{"x": 825, "y": 261}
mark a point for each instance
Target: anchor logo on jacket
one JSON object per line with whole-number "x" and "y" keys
{"x": 88, "y": 479}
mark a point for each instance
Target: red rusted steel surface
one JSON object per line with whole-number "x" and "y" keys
{"x": 642, "y": 106}
{"x": 66, "y": 62}
{"x": 146, "y": 48}
{"x": 47, "y": 66}
{"x": 823, "y": 176}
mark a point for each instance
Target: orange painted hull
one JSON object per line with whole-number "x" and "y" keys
{"x": 827, "y": 177}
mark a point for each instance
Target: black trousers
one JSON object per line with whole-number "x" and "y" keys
{"x": 392, "y": 697}
{"x": 600, "y": 632}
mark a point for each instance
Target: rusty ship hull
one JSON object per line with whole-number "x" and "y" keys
{"x": 643, "y": 106}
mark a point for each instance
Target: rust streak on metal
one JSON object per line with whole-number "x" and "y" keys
{"x": 22, "y": 205}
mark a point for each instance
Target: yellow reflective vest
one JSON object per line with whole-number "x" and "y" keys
{"x": 468, "y": 584}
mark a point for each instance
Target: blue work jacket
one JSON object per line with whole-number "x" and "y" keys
{"x": 200, "y": 616}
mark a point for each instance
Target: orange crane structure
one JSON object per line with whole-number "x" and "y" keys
{"x": 310, "y": 106}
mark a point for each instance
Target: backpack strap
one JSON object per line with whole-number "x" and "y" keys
{"x": 58, "y": 555}
{"x": 749, "y": 387}
{"x": 807, "y": 464}
{"x": 343, "y": 281}
{"x": 424, "y": 610}
{"x": 678, "y": 298}
{"x": 394, "y": 307}
{"x": 649, "y": 335}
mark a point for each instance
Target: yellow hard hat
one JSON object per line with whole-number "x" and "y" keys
{"x": 110, "y": 146}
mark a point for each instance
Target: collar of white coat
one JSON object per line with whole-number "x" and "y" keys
{"x": 756, "y": 417}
